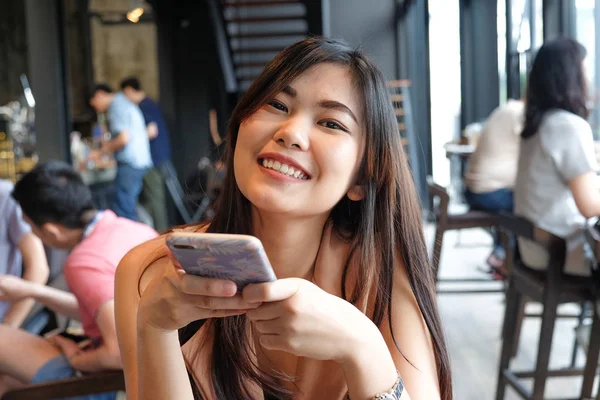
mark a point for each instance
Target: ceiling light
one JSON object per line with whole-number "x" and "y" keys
{"x": 135, "y": 14}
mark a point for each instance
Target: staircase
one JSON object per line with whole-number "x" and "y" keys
{"x": 258, "y": 30}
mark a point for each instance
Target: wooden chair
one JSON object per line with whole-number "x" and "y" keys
{"x": 190, "y": 210}
{"x": 100, "y": 382}
{"x": 400, "y": 94}
{"x": 551, "y": 288}
{"x": 448, "y": 222}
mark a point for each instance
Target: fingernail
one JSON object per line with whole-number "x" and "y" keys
{"x": 255, "y": 304}
{"x": 229, "y": 288}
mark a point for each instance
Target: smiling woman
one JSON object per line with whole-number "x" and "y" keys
{"x": 316, "y": 171}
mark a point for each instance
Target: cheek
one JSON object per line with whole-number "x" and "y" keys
{"x": 341, "y": 160}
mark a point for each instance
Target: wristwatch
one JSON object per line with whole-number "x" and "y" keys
{"x": 395, "y": 392}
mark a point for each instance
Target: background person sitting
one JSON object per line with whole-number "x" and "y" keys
{"x": 556, "y": 185}
{"x": 21, "y": 254}
{"x": 58, "y": 206}
{"x": 492, "y": 169}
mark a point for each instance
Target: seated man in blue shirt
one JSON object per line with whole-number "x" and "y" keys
{"x": 153, "y": 192}
{"x": 21, "y": 254}
{"x": 129, "y": 144}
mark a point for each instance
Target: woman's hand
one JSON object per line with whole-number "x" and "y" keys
{"x": 300, "y": 318}
{"x": 175, "y": 299}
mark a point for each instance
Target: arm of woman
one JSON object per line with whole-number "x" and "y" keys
{"x": 571, "y": 146}
{"x": 153, "y": 300}
{"x": 417, "y": 363}
{"x": 586, "y": 192}
{"x": 414, "y": 357}
{"x": 132, "y": 278}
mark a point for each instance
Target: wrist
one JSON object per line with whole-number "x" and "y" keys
{"x": 362, "y": 344}
{"x": 147, "y": 328}
{"x": 369, "y": 368}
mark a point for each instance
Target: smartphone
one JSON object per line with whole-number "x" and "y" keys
{"x": 238, "y": 258}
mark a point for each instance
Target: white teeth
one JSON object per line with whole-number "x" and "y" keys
{"x": 283, "y": 169}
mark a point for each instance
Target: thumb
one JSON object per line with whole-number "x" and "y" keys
{"x": 278, "y": 290}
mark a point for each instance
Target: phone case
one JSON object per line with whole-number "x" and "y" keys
{"x": 239, "y": 258}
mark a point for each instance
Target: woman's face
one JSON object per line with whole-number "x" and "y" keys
{"x": 300, "y": 152}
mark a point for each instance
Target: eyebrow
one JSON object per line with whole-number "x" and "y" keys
{"x": 336, "y": 105}
{"x": 329, "y": 104}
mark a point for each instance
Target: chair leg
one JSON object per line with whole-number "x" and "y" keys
{"x": 513, "y": 300}
{"x": 591, "y": 363}
{"x": 545, "y": 344}
{"x": 575, "y": 346}
{"x": 519, "y": 323}
{"x": 437, "y": 251}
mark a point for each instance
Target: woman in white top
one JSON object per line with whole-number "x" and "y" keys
{"x": 556, "y": 180}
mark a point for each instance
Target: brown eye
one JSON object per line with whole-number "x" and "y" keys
{"x": 333, "y": 125}
{"x": 277, "y": 105}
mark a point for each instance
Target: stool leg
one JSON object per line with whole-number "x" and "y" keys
{"x": 591, "y": 363}
{"x": 519, "y": 322}
{"x": 545, "y": 345}
{"x": 437, "y": 251}
{"x": 513, "y": 299}
{"x": 575, "y": 346}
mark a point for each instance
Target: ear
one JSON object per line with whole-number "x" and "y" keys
{"x": 52, "y": 230}
{"x": 356, "y": 193}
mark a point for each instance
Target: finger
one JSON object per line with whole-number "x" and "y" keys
{"x": 226, "y": 313}
{"x": 267, "y": 311}
{"x": 271, "y": 291}
{"x": 198, "y": 285}
{"x": 221, "y": 303}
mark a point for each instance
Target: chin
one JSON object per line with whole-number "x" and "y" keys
{"x": 272, "y": 202}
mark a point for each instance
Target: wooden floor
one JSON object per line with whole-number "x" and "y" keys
{"x": 473, "y": 322}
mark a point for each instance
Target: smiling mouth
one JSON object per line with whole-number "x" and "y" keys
{"x": 282, "y": 168}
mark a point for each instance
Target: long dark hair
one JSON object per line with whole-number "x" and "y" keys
{"x": 385, "y": 224}
{"x": 556, "y": 81}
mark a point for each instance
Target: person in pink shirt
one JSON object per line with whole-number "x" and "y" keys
{"x": 58, "y": 206}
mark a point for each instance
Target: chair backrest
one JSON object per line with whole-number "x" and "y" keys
{"x": 438, "y": 191}
{"x": 521, "y": 227}
{"x": 169, "y": 175}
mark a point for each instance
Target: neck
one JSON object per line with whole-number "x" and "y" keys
{"x": 139, "y": 96}
{"x": 87, "y": 216}
{"x": 291, "y": 244}
{"x": 76, "y": 235}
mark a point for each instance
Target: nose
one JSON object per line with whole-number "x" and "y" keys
{"x": 294, "y": 133}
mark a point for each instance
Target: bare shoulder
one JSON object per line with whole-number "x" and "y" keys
{"x": 141, "y": 265}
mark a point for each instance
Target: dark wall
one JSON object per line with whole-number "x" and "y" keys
{"x": 47, "y": 56}
{"x": 399, "y": 47}
{"x": 479, "y": 60}
{"x": 190, "y": 79}
{"x": 13, "y": 49}
{"x": 369, "y": 24}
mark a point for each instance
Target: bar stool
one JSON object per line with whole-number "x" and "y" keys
{"x": 449, "y": 222}
{"x": 551, "y": 288}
